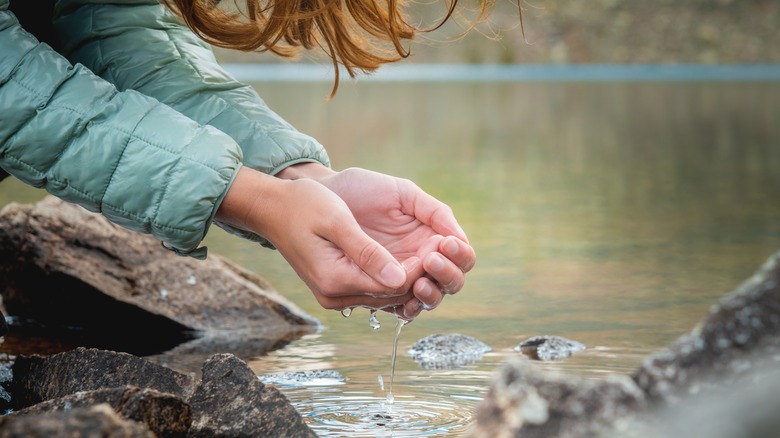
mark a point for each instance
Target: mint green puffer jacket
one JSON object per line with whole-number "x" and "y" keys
{"x": 134, "y": 118}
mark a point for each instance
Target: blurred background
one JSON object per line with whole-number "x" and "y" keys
{"x": 593, "y": 31}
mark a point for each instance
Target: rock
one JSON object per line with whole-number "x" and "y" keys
{"x": 447, "y": 351}
{"x": 232, "y": 401}
{"x": 305, "y": 378}
{"x": 530, "y": 402}
{"x": 94, "y": 421}
{"x": 741, "y": 330}
{"x": 149, "y": 299}
{"x": 37, "y": 378}
{"x": 548, "y": 348}
{"x": 720, "y": 380}
{"x": 164, "y": 414}
{"x": 229, "y": 400}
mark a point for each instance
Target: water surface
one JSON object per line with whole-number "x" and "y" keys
{"x": 611, "y": 213}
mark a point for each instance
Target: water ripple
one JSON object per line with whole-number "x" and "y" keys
{"x": 331, "y": 413}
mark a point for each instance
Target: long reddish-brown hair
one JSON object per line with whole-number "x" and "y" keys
{"x": 356, "y": 34}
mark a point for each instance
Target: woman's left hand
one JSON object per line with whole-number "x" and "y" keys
{"x": 409, "y": 223}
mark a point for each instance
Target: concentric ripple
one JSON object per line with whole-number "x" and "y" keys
{"x": 333, "y": 413}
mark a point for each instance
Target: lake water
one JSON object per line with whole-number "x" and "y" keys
{"x": 610, "y": 213}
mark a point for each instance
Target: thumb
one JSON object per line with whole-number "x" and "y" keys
{"x": 371, "y": 257}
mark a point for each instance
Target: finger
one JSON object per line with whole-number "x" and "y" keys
{"x": 447, "y": 275}
{"x": 459, "y": 252}
{"x": 427, "y": 293}
{"x": 430, "y": 211}
{"x": 411, "y": 309}
{"x": 352, "y": 301}
{"x": 371, "y": 257}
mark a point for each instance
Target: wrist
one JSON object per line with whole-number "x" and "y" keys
{"x": 311, "y": 170}
{"x": 247, "y": 203}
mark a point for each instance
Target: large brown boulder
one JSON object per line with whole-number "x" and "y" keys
{"x": 65, "y": 267}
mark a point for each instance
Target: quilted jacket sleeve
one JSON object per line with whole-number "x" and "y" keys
{"x": 140, "y": 163}
{"x": 141, "y": 45}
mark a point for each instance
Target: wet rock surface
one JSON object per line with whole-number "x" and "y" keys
{"x": 38, "y": 378}
{"x": 229, "y": 399}
{"x": 166, "y": 415}
{"x": 447, "y": 351}
{"x": 93, "y": 421}
{"x": 232, "y": 401}
{"x": 549, "y": 348}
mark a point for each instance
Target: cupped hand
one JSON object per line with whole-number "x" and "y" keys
{"x": 408, "y": 223}
{"x": 319, "y": 237}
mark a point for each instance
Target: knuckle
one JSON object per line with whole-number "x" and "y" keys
{"x": 368, "y": 254}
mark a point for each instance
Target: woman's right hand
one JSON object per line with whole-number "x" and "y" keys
{"x": 319, "y": 237}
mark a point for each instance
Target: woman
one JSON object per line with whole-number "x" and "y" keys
{"x": 131, "y": 116}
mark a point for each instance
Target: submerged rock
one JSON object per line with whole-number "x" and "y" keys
{"x": 548, "y": 348}
{"x": 447, "y": 351}
{"x": 305, "y": 378}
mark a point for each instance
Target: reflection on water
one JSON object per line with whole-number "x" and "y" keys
{"x": 613, "y": 214}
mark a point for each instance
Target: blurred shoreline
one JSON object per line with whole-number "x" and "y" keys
{"x": 590, "y": 32}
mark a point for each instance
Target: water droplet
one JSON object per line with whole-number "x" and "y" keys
{"x": 381, "y": 383}
{"x": 346, "y": 312}
{"x": 164, "y": 294}
{"x": 398, "y": 326}
{"x": 372, "y": 321}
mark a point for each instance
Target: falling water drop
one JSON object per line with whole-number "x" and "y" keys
{"x": 381, "y": 382}
{"x": 345, "y": 312}
{"x": 372, "y": 321}
{"x": 399, "y": 325}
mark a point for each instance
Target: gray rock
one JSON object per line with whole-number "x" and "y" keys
{"x": 164, "y": 414}
{"x": 38, "y": 378}
{"x": 721, "y": 380}
{"x": 141, "y": 290}
{"x": 447, "y": 351}
{"x": 742, "y": 329}
{"x": 89, "y": 422}
{"x": 232, "y": 401}
{"x": 229, "y": 400}
{"x": 526, "y": 401}
{"x": 549, "y": 348}
{"x": 305, "y": 378}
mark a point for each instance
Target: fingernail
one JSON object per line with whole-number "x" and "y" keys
{"x": 393, "y": 274}
{"x": 424, "y": 291}
{"x": 451, "y": 246}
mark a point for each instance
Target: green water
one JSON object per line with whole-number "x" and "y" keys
{"x": 611, "y": 214}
